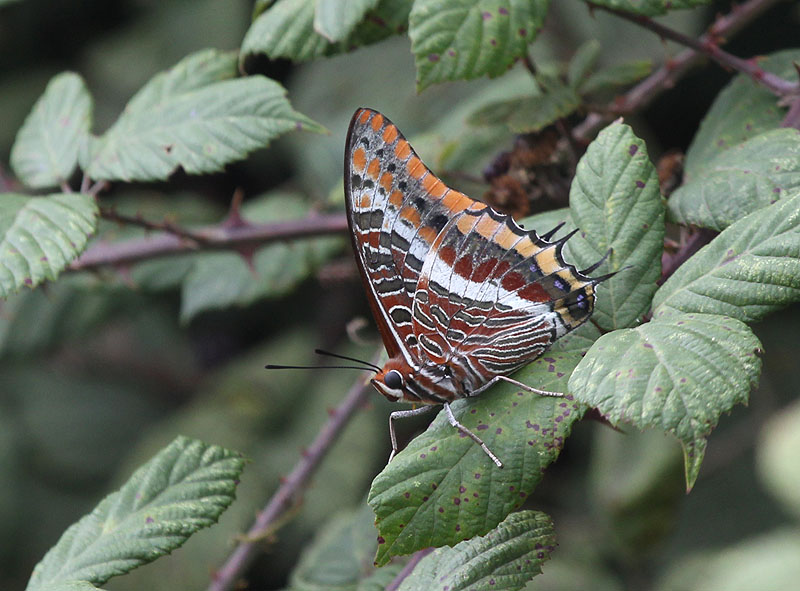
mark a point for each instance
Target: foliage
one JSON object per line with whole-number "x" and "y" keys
{"x": 181, "y": 490}
{"x": 141, "y": 302}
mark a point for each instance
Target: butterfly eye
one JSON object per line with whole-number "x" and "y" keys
{"x": 393, "y": 379}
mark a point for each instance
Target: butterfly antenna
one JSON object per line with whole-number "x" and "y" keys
{"x": 346, "y": 358}
{"x": 552, "y": 232}
{"x": 588, "y": 270}
{"x": 271, "y": 366}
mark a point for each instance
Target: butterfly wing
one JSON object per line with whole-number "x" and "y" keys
{"x": 395, "y": 208}
{"x": 491, "y": 297}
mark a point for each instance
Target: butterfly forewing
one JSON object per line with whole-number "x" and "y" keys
{"x": 396, "y": 207}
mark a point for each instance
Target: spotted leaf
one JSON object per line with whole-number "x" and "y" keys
{"x": 465, "y": 39}
{"x": 679, "y": 372}
{"x": 442, "y": 488}
{"x": 505, "y": 559}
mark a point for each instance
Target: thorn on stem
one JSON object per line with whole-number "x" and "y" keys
{"x": 248, "y": 253}
{"x": 234, "y": 218}
{"x": 125, "y": 274}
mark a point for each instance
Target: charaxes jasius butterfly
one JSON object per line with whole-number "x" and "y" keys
{"x": 462, "y": 295}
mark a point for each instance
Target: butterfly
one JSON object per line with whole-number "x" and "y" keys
{"x": 461, "y": 294}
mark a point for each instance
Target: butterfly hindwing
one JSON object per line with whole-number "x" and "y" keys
{"x": 492, "y": 296}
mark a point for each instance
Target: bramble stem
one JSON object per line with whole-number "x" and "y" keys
{"x": 709, "y": 45}
{"x": 408, "y": 569}
{"x": 668, "y": 74}
{"x": 227, "y": 575}
{"x": 174, "y": 240}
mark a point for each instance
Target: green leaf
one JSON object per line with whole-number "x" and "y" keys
{"x": 615, "y": 201}
{"x": 740, "y": 180}
{"x": 531, "y": 113}
{"x": 380, "y": 579}
{"x": 46, "y": 149}
{"x": 219, "y": 280}
{"x": 635, "y": 489}
{"x": 678, "y": 372}
{"x": 505, "y": 559}
{"x": 615, "y": 76}
{"x": 579, "y": 340}
{"x": 69, "y": 586}
{"x": 189, "y": 118}
{"x": 582, "y": 62}
{"x": 183, "y": 489}
{"x": 41, "y": 236}
{"x": 336, "y": 19}
{"x": 466, "y": 39}
{"x": 777, "y": 457}
{"x": 767, "y": 562}
{"x": 34, "y": 320}
{"x": 750, "y": 270}
{"x": 442, "y": 488}
{"x": 336, "y": 558}
{"x": 286, "y": 29}
{"x": 195, "y": 71}
{"x": 545, "y": 221}
{"x": 741, "y": 111}
{"x": 649, "y": 7}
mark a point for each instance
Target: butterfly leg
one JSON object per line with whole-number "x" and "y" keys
{"x": 525, "y": 387}
{"x": 402, "y": 414}
{"x": 453, "y": 421}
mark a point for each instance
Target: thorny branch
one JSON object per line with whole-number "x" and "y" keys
{"x": 167, "y": 226}
{"x": 667, "y": 75}
{"x": 408, "y": 569}
{"x": 234, "y": 568}
{"x": 709, "y": 45}
{"x": 174, "y": 240}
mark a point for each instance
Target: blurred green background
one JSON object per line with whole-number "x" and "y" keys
{"x": 98, "y": 374}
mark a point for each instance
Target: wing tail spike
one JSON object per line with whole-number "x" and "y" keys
{"x": 596, "y": 280}
{"x": 563, "y": 240}
{"x": 548, "y": 235}
{"x": 567, "y": 236}
{"x": 602, "y": 260}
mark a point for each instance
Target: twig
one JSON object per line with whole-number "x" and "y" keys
{"x": 97, "y": 187}
{"x": 216, "y": 237}
{"x": 164, "y": 226}
{"x": 792, "y": 118}
{"x": 529, "y": 65}
{"x": 667, "y": 75}
{"x": 225, "y": 578}
{"x": 709, "y": 45}
{"x": 408, "y": 569}
{"x": 6, "y": 182}
{"x": 696, "y": 241}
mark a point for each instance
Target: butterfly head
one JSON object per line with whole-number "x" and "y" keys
{"x": 430, "y": 383}
{"x": 392, "y": 380}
